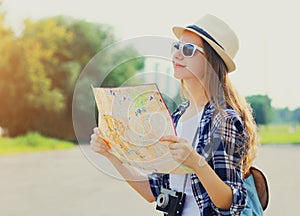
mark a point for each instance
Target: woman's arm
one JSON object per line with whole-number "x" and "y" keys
{"x": 219, "y": 192}
{"x": 223, "y": 182}
{"x": 183, "y": 152}
{"x": 135, "y": 179}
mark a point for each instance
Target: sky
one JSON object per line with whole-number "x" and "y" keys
{"x": 267, "y": 61}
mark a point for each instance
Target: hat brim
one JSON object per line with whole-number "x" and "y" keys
{"x": 178, "y": 31}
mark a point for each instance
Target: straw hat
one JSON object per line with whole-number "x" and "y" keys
{"x": 218, "y": 34}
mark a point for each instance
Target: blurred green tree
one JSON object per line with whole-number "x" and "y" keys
{"x": 26, "y": 88}
{"x": 102, "y": 63}
{"x": 286, "y": 116}
{"x": 296, "y": 115}
{"x": 40, "y": 68}
{"x": 262, "y": 109}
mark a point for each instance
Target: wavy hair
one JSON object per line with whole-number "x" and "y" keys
{"x": 219, "y": 89}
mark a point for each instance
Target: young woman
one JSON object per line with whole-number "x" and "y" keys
{"x": 215, "y": 127}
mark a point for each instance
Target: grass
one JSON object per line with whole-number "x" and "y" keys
{"x": 271, "y": 134}
{"x": 31, "y": 142}
{"x": 279, "y": 134}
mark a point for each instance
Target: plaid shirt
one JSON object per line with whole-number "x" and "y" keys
{"x": 222, "y": 142}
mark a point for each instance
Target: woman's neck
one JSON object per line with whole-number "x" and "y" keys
{"x": 196, "y": 94}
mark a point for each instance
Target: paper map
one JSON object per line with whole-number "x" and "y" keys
{"x": 132, "y": 120}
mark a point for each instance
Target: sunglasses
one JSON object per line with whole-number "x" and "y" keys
{"x": 187, "y": 49}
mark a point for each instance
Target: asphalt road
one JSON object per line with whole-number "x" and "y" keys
{"x": 65, "y": 183}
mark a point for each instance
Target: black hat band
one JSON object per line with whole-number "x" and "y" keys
{"x": 203, "y": 32}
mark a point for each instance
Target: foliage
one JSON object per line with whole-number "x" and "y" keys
{"x": 261, "y": 105}
{"x": 27, "y": 90}
{"x": 285, "y": 115}
{"x": 31, "y": 142}
{"x": 40, "y": 68}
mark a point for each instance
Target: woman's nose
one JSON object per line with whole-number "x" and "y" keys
{"x": 177, "y": 54}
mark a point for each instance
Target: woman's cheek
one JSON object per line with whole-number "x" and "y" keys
{"x": 197, "y": 68}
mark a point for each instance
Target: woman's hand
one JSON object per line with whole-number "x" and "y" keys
{"x": 99, "y": 144}
{"x": 182, "y": 151}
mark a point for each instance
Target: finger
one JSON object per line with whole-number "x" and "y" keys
{"x": 106, "y": 142}
{"x": 100, "y": 149}
{"x": 93, "y": 138}
{"x": 99, "y": 132}
{"x": 178, "y": 149}
{"x": 176, "y": 146}
{"x": 182, "y": 144}
{"x": 97, "y": 149}
{"x": 96, "y": 141}
{"x": 173, "y": 146}
{"x": 169, "y": 138}
{"x": 96, "y": 130}
{"x": 174, "y": 152}
{"x": 95, "y": 145}
{"x": 181, "y": 149}
{"x": 172, "y": 138}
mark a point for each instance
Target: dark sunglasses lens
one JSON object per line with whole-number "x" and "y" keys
{"x": 176, "y": 45}
{"x": 188, "y": 49}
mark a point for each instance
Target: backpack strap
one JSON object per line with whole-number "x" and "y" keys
{"x": 261, "y": 185}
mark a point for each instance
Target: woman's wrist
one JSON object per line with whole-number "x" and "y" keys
{"x": 114, "y": 160}
{"x": 199, "y": 162}
{"x": 202, "y": 162}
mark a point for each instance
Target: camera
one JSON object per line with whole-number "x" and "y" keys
{"x": 170, "y": 202}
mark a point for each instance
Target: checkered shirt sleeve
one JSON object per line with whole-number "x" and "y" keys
{"x": 229, "y": 148}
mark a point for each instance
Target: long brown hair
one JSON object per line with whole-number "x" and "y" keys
{"x": 219, "y": 89}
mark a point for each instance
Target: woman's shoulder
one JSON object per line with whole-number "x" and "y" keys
{"x": 228, "y": 116}
{"x": 226, "y": 112}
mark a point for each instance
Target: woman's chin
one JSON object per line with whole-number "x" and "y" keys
{"x": 178, "y": 74}
{"x": 181, "y": 74}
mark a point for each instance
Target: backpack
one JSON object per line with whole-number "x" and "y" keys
{"x": 258, "y": 192}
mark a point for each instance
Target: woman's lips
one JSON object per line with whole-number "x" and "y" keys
{"x": 178, "y": 65}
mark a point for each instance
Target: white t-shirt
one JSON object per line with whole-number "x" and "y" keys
{"x": 186, "y": 129}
